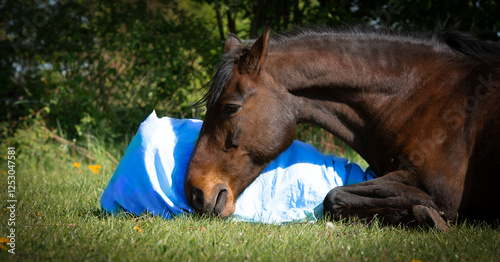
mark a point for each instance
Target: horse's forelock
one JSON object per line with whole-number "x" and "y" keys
{"x": 222, "y": 76}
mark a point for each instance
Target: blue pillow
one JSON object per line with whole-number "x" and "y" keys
{"x": 150, "y": 177}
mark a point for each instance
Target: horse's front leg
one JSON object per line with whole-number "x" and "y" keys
{"x": 395, "y": 198}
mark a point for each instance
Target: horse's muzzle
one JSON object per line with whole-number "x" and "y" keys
{"x": 216, "y": 203}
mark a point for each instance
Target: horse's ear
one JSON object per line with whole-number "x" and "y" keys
{"x": 258, "y": 51}
{"x": 232, "y": 42}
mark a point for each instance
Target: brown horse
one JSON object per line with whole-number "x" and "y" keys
{"x": 422, "y": 110}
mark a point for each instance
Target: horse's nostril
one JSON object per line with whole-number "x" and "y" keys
{"x": 221, "y": 201}
{"x": 198, "y": 199}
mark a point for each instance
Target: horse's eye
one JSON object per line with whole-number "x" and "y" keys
{"x": 231, "y": 109}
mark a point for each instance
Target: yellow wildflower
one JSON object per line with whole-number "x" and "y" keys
{"x": 94, "y": 168}
{"x": 3, "y": 172}
{"x": 76, "y": 164}
{"x": 4, "y": 240}
{"x": 138, "y": 229}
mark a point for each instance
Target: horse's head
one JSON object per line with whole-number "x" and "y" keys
{"x": 247, "y": 125}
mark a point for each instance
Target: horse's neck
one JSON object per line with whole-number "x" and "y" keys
{"x": 345, "y": 87}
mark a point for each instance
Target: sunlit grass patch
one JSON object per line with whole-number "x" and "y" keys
{"x": 59, "y": 218}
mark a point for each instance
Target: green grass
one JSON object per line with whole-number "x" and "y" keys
{"x": 58, "y": 218}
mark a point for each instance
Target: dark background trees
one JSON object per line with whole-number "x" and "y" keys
{"x": 101, "y": 67}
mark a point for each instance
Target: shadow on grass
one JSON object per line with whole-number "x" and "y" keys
{"x": 102, "y": 214}
{"x": 412, "y": 226}
{"x": 374, "y": 223}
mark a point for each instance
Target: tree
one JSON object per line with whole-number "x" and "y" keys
{"x": 477, "y": 16}
{"x": 103, "y": 66}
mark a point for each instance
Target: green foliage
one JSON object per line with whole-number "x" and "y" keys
{"x": 105, "y": 65}
{"x": 328, "y": 144}
{"x": 102, "y": 66}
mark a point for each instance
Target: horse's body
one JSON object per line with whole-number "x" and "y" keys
{"x": 424, "y": 112}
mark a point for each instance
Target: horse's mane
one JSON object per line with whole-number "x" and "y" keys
{"x": 468, "y": 45}
{"x": 456, "y": 41}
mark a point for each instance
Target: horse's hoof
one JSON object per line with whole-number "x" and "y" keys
{"x": 429, "y": 216}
